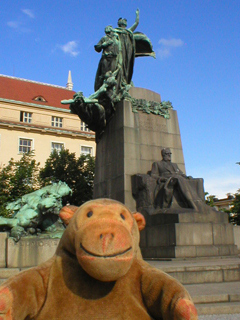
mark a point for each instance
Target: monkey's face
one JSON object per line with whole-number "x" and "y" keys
{"x": 106, "y": 239}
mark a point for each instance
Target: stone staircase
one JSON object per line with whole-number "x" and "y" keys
{"x": 216, "y": 298}
{"x": 6, "y": 273}
{"x": 213, "y": 283}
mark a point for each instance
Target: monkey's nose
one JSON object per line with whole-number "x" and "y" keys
{"x": 111, "y": 235}
{"x": 106, "y": 239}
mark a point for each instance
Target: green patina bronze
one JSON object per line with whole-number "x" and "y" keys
{"x": 158, "y": 108}
{"x": 120, "y": 46}
{"x": 36, "y": 212}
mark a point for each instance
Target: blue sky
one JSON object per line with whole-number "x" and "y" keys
{"x": 197, "y": 45}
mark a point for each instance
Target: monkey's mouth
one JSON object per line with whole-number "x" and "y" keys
{"x": 107, "y": 256}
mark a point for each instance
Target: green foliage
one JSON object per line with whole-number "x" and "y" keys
{"x": 4, "y": 212}
{"x": 210, "y": 199}
{"x": 236, "y": 202}
{"x": 77, "y": 173}
{"x": 234, "y": 214}
{"x": 16, "y": 179}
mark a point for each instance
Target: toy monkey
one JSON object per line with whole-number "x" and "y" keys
{"x": 96, "y": 273}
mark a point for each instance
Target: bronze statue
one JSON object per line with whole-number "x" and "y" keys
{"x": 109, "y": 45}
{"x": 166, "y": 189}
{"x": 36, "y": 212}
{"x": 119, "y": 48}
{"x": 171, "y": 181}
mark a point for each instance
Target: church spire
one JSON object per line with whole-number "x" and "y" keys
{"x": 69, "y": 85}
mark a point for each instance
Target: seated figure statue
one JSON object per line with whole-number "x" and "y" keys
{"x": 174, "y": 188}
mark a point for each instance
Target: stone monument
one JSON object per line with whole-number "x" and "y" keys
{"x": 132, "y": 126}
{"x": 130, "y": 144}
{"x": 179, "y": 223}
{"x": 120, "y": 47}
{"x": 31, "y": 235}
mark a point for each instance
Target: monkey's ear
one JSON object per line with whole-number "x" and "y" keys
{"x": 141, "y": 222}
{"x": 66, "y": 213}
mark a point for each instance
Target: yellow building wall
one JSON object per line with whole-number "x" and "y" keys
{"x": 42, "y": 135}
{"x": 40, "y": 116}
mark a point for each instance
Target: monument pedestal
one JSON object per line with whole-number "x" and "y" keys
{"x": 187, "y": 235}
{"x": 27, "y": 252}
{"x": 129, "y": 146}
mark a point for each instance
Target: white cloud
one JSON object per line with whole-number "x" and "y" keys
{"x": 19, "y": 25}
{"x": 29, "y": 13}
{"x": 167, "y": 46}
{"x": 13, "y": 24}
{"x": 220, "y": 186}
{"x": 219, "y": 180}
{"x": 171, "y": 42}
{"x": 70, "y": 48}
{"x": 163, "y": 53}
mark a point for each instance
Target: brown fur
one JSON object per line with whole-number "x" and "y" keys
{"x": 97, "y": 273}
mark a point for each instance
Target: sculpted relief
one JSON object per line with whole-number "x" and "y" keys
{"x": 167, "y": 189}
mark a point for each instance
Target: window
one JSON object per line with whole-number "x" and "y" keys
{"x": 57, "y": 122}
{"x": 86, "y": 150}
{"x": 58, "y": 146}
{"x": 40, "y": 98}
{"x": 25, "y": 145}
{"x": 25, "y": 117}
{"x": 84, "y": 127}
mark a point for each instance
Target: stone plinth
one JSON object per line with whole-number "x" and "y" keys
{"x": 236, "y": 232}
{"x": 29, "y": 252}
{"x": 187, "y": 235}
{"x": 178, "y": 232}
{"x": 3, "y": 251}
{"x": 130, "y": 144}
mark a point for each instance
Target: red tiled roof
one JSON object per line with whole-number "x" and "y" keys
{"x": 24, "y": 90}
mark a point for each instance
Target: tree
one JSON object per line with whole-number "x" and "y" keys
{"x": 77, "y": 173}
{"x": 18, "y": 178}
{"x": 210, "y": 199}
{"x": 234, "y": 212}
{"x": 236, "y": 203}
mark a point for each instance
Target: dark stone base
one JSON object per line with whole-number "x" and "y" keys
{"x": 187, "y": 235}
{"x": 185, "y": 252}
{"x": 130, "y": 144}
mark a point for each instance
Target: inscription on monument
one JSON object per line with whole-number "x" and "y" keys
{"x": 146, "y": 122}
{"x": 29, "y": 252}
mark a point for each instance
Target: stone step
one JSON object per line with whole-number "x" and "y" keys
{"x": 206, "y": 274}
{"x": 201, "y": 271}
{"x": 209, "y": 298}
{"x": 6, "y": 273}
{"x": 214, "y": 292}
{"x": 189, "y": 273}
{"x": 216, "y": 298}
{"x": 218, "y": 308}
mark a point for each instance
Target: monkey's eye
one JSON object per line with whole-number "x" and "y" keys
{"x": 122, "y": 216}
{"x": 89, "y": 214}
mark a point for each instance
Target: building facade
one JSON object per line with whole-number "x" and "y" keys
{"x": 224, "y": 204}
{"x": 33, "y": 118}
